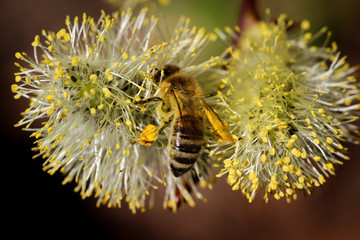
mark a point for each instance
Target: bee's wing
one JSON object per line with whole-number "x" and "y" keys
{"x": 220, "y": 129}
{"x": 190, "y": 120}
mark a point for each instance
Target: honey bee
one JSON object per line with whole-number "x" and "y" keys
{"x": 183, "y": 107}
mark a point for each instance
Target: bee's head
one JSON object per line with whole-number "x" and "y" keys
{"x": 165, "y": 72}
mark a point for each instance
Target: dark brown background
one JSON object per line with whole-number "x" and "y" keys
{"x": 38, "y": 206}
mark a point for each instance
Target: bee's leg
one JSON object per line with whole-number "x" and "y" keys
{"x": 150, "y": 133}
{"x": 165, "y": 123}
{"x": 165, "y": 104}
{"x": 148, "y": 100}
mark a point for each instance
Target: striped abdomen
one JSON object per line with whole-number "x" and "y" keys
{"x": 186, "y": 141}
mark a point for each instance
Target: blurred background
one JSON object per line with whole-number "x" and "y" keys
{"x": 37, "y": 205}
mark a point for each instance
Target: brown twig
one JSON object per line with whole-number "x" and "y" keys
{"x": 248, "y": 16}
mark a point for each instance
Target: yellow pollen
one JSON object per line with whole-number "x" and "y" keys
{"x": 75, "y": 61}
{"x": 107, "y": 71}
{"x": 93, "y": 77}
{"x": 17, "y": 79}
{"x": 61, "y": 33}
{"x": 272, "y": 151}
{"x": 264, "y": 159}
{"x": 148, "y": 135}
{"x": 49, "y": 97}
{"x": 107, "y": 92}
{"x": 67, "y": 37}
{"x": 258, "y": 102}
{"x": 14, "y": 88}
{"x": 18, "y": 55}
{"x": 36, "y": 41}
{"x": 305, "y": 25}
{"x": 296, "y": 152}
{"x": 286, "y": 160}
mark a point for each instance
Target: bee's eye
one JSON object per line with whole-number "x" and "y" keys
{"x": 157, "y": 76}
{"x": 164, "y": 73}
